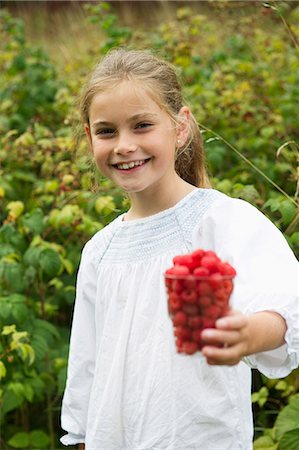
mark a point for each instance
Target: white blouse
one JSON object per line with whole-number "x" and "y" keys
{"x": 127, "y": 387}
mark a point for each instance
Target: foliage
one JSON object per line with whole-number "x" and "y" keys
{"x": 243, "y": 85}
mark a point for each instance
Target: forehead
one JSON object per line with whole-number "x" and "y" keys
{"x": 126, "y": 97}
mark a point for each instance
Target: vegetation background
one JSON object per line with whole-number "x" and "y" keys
{"x": 239, "y": 62}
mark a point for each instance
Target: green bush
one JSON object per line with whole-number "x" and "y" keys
{"x": 243, "y": 88}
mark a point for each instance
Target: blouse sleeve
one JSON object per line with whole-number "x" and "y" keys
{"x": 81, "y": 355}
{"x": 267, "y": 273}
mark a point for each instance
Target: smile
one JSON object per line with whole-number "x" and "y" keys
{"x": 131, "y": 165}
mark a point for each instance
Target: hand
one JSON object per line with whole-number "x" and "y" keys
{"x": 229, "y": 341}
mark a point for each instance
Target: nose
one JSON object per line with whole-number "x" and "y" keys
{"x": 124, "y": 145}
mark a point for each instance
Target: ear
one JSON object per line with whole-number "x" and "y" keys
{"x": 183, "y": 127}
{"x": 88, "y": 135}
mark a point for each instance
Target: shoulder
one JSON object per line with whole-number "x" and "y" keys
{"x": 96, "y": 246}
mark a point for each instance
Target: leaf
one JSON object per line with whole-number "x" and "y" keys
{"x": 104, "y": 205}
{"x": 20, "y": 440}
{"x": 2, "y": 370}
{"x": 50, "y": 262}
{"x": 34, "y": 221}
{"x": 289, "y": 440}
{"x": 264, "y": 442}
{"x": 8, "y": 329}
{"x": 11, "y": 401}
{"x": 288, "y": 211}
{"x": 39, "y": 439}
{"x": 287, "y": 419}
{"x": 15, "y": 208}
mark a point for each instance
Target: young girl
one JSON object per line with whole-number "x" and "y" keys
{"x": 127, "y": 387}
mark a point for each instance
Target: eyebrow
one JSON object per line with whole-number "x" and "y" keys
{"x": 135, "y": 117}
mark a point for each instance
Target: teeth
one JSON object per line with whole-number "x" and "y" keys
{"x": 130, "y": 165}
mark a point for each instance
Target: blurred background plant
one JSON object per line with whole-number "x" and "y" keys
{"x": 239, "y": 63}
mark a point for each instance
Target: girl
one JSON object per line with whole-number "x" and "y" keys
{"x": 127, "y": 387}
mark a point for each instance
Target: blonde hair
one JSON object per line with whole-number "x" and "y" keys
{"x": 159, "y": 79}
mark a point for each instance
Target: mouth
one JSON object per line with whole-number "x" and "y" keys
{"x": 130, "y": 165}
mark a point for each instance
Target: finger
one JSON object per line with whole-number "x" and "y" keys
{"x": 222, "y": 356}
{"x": 214, "y": 336}
{"x": 232, "y": 322}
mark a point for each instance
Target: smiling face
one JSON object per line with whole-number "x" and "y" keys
{"x": 132, "y": 139}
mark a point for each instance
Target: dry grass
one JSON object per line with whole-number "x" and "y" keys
{"x": 60, "y": 27}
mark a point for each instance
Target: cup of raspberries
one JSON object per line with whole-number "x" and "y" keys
{"x": 199, "y": 285}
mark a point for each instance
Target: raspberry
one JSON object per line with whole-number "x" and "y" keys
{"x": 213, "y": 312}
{"x": 197, "y": 255}
{"x": 180, "y": 270}
{"x": 189, "y": 297}
{"x": 189, "y": 347}
{"x": 204, "y": 301}
{"x": 210, "y": 263}
{"x": 215, "y": 280}
{"x": 204, "y": 288}
{"x": 174, "y": 302}
{"x": 207, "y": 322}
{"x": 201, "y": 272}
{"x": 183, "y": 333}
{"x": 195, "y": 322}
{"x": 179, "y": 318}
{"x": 196, "y": 335}
{"x": 177, "y": 286}
{"x": 226, "y": 269}
{"x": 191, "y": 310}
{"x": 184, "y": 260}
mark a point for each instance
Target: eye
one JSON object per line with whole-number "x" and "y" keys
{"x": 143, "y": 125}
{"x": 105, "y": 132}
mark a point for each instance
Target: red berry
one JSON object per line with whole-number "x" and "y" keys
{"x": 210, "y": 263}
{"x": 213, "y": 312}
{"x": 183, "y": 260}
{"x": 197, "y": 255}
{"x": 207, "y": 322}
{"x": 180, "y": 270}
{"x": 174, "y": 302}
{"x": 195, "y": 322}
{"x": 203, "y": 288}
{"x": 204, "y": 301}
{"x": 189, "y": 297}
{"x": 179, "y": 318}
{"x": 196, "y": 335}
{"x": 201, "y": 272}
{"x": 191, "y": 310}
{"x": 189, "y": 347}
{"x": 226, "y": 269}
{"x": 183, "y": 333}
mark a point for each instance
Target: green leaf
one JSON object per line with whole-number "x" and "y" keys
{"x": 15, "y": 208}
{"x": 289, "y": 440}
{"x": 264, "y": 442}
{"x": 50, "y": 262}
{"x": 11, "y": 401}
{"x": 34, "y": 221}
{"x": 39, "y": 439}
{"x": 19, "y": 440}
{"x": 287, "y": 419}
{"x": 288, "y": 211}
{"x": 2, "y": 370}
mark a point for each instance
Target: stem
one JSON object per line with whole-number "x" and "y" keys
{"x": 50, "y": 421}
{"x": 251, "y": 164}
{"x": 289, "y": 29}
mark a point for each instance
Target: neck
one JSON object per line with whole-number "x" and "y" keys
{"x": 144, "y": 204}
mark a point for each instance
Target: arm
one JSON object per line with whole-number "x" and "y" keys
{"x": 266, "y": 334}
{"x": 81, "y": 360}
{"x": 242, "y": 336}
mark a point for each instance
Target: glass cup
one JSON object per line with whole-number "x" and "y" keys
{"x": 195, "y": 303}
